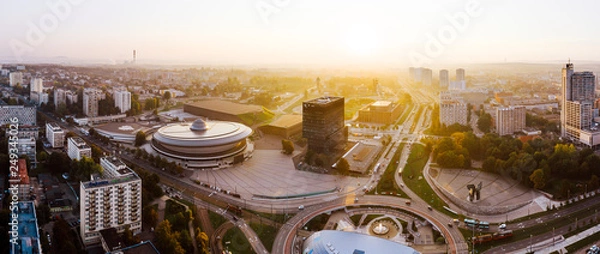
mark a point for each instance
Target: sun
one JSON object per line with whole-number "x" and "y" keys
{"x": 361, "y": 39}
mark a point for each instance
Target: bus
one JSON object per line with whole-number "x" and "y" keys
{"x": 477, "y": 224}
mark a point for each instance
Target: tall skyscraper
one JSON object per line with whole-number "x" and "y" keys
{"x": 510, "y": 120}
{"x": 113, "y": 200}
{"x": 36, "y": 85}
{"x": 444, "y": 79}
{"x": 91, "y": 97}
{"x": 577, "y": 103}
{"x": 460, "y": 74}
{"x": 420, "y": 75}
{"x": 426, "y": 76}
{"x": 323, "y": 125}
{"x": 122, "y": 100}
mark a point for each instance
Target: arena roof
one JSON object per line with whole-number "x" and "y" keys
{"x": 215, "y": 133}
{"x": 227, "y": 107}
{"x": 332, "y": 241}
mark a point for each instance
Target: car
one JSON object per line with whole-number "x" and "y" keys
{"x": 429, "y": 207}
{"x": 407, "y": 202}
{"x": 502, "y": 226}
{"x": 301, "y": 207}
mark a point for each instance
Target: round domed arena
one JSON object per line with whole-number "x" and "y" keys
{"x": 204, "y": 144}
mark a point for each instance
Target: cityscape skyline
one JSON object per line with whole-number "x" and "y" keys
{"x": 385, "y": 33}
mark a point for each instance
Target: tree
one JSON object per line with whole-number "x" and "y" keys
{"x": 84, "y": 168}
{"x": 202, "y": 241}
{"x": 186, "y": 241}
{"x": 129, "y": 238}
{"x": 166, "y": 240}
{"x": 538, "y": 178}
{"x": 343, "y": 167}
{"x": 288, "y": 146}
{"x": 167, "y": 96}
{"x": 150, "y": 217}
{"x": 485, "y": 122}
{"x": 140, "y": 138}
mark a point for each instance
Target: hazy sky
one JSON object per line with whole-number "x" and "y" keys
{"x": 301, "y": 32}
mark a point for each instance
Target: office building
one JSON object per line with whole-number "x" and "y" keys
{"x": 77, "y": 149}
{"x": 510, "y": 120}
{"x": 380, "y": 112}
{"x": 576, "y": 116}
{"x": 91, "y": 97}
{"x": 122, "y": 100}
{"x": 323, "y": 125}
{"x": 55, "y": 135}
{"x": 460, "y": 74}
{"x": 26, "y": 145}
{"x": 113, "y": 200}
{"x": 60, "y": 97}
{"x": 15, "y": 78}
{"x": 444, "y": 79}
{"x": 26, "y": 115}
{"x": 28, "y": 238}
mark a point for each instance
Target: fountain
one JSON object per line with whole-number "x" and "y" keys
{"x": 381, "y": 229}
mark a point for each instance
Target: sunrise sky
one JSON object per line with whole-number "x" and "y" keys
{"x": 301, "y": 32}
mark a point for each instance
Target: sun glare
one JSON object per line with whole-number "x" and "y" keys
{"x": 361, "y": 40}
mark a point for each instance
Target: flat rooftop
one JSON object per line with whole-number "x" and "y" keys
{"x": 28, "y": 229}
{"x": 286, "y": 121}
{"x": 227, "y": 107}
{"x": 324, "y": 100}
{"x": 121, "y": 128}
{"x": 381, "y": 104}
{"x": 110, "y": 181}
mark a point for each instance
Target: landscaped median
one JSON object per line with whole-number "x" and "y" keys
{"x": 412, "y": 175}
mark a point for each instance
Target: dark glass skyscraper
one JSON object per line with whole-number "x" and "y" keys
{"x": 323, "y": 125}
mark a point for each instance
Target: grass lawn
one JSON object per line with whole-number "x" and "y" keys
{"x": 412, "y": 175}
{"x": 266, "y": 233}
{"x": 237, "y": 241}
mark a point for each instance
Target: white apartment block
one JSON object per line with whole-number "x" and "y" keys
{"x": 453, "y": 111}
{"x": 15, "y": 78}
{"x": 77, "y": 149}
{"x": 122, "y": 100}
{"x": 510, "y": 120}
{"x": 59, "y": 97}
{"x": 36, "y": 85}
{"x": 55, "y": 135}
{"x": 25, "y": 114}
{"x": 111, "y": 201}
{"x": 444, "y": 79}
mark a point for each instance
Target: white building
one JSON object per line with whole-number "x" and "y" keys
{"x": 510, "y": 120}
{"x": 59, "y": 97}
{"x": 55, "y": 135}
{"x": 36, "y": 85}
{"x": 444, "y": 79}
{"x": 77, "y": 149}
{"x": 460, "y": 74}
{"x": 576, "y": 115}
{"x": 91, "y": 97}
{"x": 71, "y": 97}
{"x": 25, "y": 114}
{"x": 122, "y": 100}
{"x": 15, "y": 78}
{"x": 111, "y": 201}
{"x": 453, "y": 111}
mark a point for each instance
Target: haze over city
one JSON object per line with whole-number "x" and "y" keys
{"x": 300, "y": 33}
